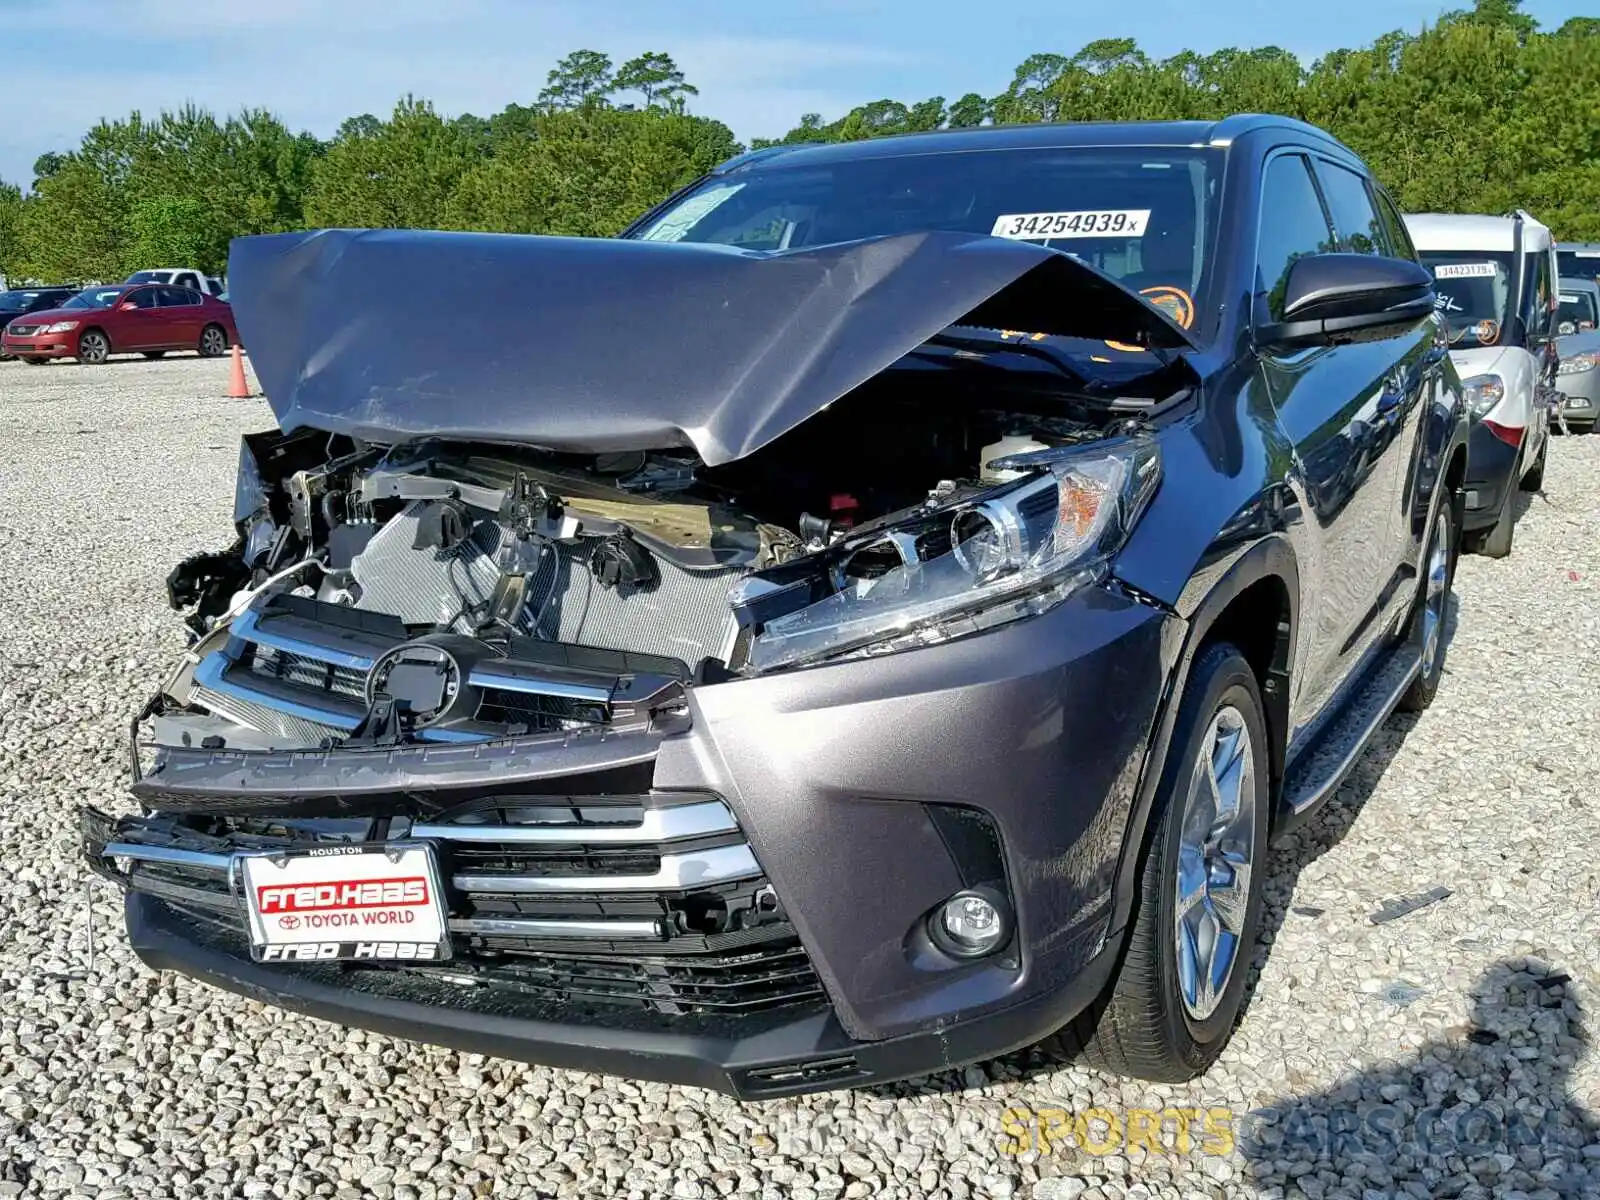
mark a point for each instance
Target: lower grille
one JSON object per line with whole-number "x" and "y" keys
{"x": 572, "y": 901}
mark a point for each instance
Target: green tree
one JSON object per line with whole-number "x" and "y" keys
{"x": 587, "y": 172}
{"x": 582, "y": 77}
{"x": 10, "y": 228}
{"x": 655, "y": 77}
{"x": 74, "y": 228}
{"x": 402, "y": 175}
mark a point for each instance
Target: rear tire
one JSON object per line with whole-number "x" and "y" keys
{"x": 1426, "y": 626}
{"x": 1162, "y": 1021}
{"x": 154, "y": 353}
{"x": 213, "y": 341}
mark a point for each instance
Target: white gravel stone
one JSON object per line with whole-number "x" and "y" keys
{"x": 117, "y": 1081}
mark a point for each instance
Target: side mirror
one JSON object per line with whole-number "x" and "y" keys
{"x": 128, "y": 306}
{"x": 1346, "y": 297}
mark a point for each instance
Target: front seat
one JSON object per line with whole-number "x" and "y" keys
{"x": 1166, "y": 255}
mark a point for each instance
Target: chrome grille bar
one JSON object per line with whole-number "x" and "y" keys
{"x": 534, "y": 927}
{"x": 656, "y": 825}
{"x": 167, "y": 854}
{"x": 677, "y": 871}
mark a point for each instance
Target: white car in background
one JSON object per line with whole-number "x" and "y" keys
{"x": 185, "y": 277}
{"x": 1495, "y": 278}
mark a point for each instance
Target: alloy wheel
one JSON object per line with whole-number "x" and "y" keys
{"x": 1433, "y": 601}
{"x": 213, "y": 342}
{"x": 93, "y": 348}
{"x": 1216, "y": 854}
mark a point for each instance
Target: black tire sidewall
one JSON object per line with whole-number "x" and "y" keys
{"x": 1221, "y": 677}
{"x": 221, "y": 350}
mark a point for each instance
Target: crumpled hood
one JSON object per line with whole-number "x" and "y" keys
{"x": 597, "y": 345}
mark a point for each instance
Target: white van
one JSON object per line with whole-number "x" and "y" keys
{"x": 1495, "y": 278}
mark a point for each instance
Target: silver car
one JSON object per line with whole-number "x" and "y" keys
{"x": 1578, "y": 344}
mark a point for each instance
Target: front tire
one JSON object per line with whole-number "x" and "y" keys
{"x": 1181, "y": 984}
{"x": 154, "y": 354}
{"x": 34, "y": 361}
{"x": 93, "y": 348}
{"x": 1495, "y": 542}
{"x": 1426, "y": 626}
{"x": 213, "y": 342}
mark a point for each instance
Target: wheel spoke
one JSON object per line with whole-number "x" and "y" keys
{"x": 1215, "y": 859}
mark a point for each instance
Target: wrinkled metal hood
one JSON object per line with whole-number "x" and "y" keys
{"x": 597, "y": 345}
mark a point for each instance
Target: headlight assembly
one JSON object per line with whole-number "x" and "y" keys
{"x": 1578, "y": 364}
{"x": 60, "y": 327}
{"x": 952, "y": 569}
{"x": 1483, "y": 392}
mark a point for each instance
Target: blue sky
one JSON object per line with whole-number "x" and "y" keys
{"x": 758, "y": 66}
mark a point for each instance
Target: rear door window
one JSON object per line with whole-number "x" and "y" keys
{"x": 177, "y": 297}
{"x": 1293, "y": 225}
{"x": 1360, "y": 231}
{"x": 1394, "y": 227}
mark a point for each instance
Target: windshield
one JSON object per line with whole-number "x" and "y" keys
{"x": 1474, "y": 292}
{"x": 1577, "y": 313}
{"x": 95, "y": 297}
{"x": 1146, "y": 217}
{"x": 1579, "y": 264}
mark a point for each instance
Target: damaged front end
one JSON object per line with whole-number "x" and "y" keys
{"x": 478, "y": 643}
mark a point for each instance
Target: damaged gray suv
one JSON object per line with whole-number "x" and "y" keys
{"x": 872, "y": 616}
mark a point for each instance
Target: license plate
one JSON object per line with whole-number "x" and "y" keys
{"x": 366, "y": 903}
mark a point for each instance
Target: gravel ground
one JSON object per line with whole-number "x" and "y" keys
{"x": 1441, "y": 1054}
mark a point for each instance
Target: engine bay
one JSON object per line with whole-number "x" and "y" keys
{"x": 461, "y": 591}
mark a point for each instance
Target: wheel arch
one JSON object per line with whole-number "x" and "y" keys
{"x": 1255, "y": 604}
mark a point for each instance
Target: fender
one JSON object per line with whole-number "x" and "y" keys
{"x": 1271, "y": 557}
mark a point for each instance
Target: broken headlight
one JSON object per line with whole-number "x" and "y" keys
{"x": 953, "y": 570}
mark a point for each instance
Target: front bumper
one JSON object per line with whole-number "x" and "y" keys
{"x": 1491, "y": 480}
{"x": 1582, "y": 404}
{"x": 805, "y": 1052}
{"x": 51, "y": 346}
{"x": 843, "y": 780}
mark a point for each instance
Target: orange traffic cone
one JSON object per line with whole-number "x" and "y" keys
{"x": 238, "y": 389}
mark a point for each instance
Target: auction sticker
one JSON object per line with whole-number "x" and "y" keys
{"x": 1470, "y": 270}
{"x": 1096, "y": 222}
{"x": 381, "y": 903}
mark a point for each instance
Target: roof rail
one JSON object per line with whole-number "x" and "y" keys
{"x": 750, "y": 156}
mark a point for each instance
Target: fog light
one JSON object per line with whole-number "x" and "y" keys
{"x": 971, "y": 924}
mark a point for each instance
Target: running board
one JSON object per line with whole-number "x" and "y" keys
{"x": 1319, "y": 770}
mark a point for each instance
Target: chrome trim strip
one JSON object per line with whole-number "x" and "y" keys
{"x": 678, "y": 871}
{"x": 657, "y": 825}
{"x": 536, "y": 927}
{"x": 211, "y": 672}
{"x": 247, "y": 627}
{"x": 533, "y": 685}
{"x": 167, "y": 854}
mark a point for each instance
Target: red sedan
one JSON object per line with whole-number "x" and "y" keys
{"x": 121, "y": 318}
